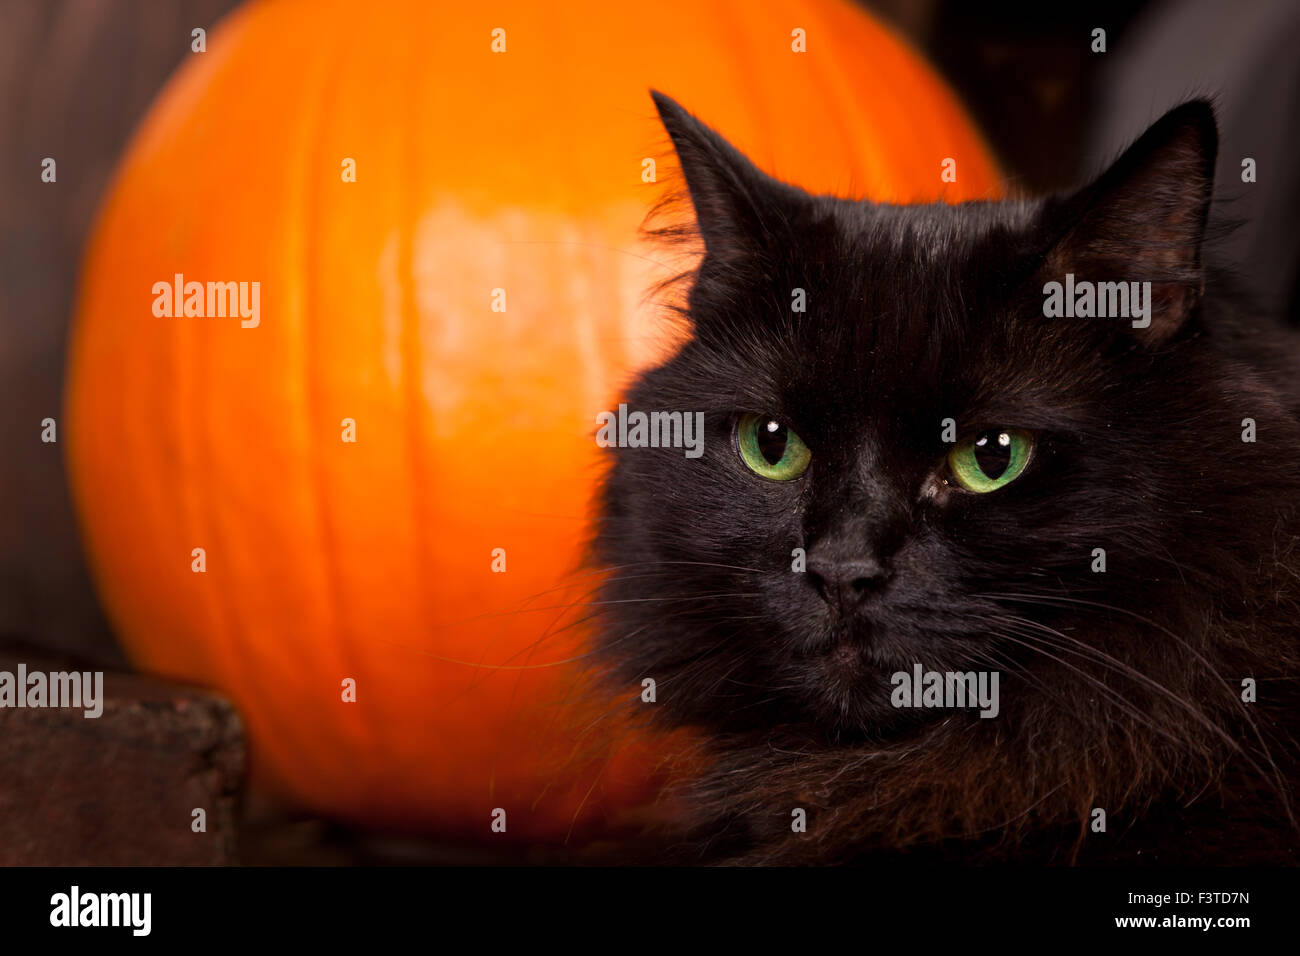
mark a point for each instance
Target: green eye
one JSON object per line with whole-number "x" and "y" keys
{"x": 991, "y": 459}
{"x": 770, "y": 448}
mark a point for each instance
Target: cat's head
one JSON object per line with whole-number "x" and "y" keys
{"x": 907, "y": 461}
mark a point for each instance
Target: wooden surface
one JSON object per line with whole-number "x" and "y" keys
{"x": 119, "y": 789}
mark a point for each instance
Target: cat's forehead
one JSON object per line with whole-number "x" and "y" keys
{"x": 935, "y": 236}
{"x": 874, "y": 310}
{"x": 915, "y": 307}
{"x": 903, "y": 277}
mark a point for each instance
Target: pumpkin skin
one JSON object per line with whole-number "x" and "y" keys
{"x": 371, "y": 560}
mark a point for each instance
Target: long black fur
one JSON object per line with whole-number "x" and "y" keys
{"x": 1120, "y": 691}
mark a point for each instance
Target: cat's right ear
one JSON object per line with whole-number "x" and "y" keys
{"x": 731, "y": 196}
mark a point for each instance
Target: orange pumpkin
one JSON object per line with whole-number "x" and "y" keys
{"x": 463, "y": 310}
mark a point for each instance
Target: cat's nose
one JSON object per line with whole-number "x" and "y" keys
{"x": 846, "y": 583}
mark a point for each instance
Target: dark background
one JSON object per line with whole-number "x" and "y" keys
{"x": 76, "y": 76}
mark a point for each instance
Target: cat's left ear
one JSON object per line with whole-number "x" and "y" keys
{"x": 1144, "y": 219}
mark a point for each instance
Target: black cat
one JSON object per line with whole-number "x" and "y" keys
{"x": 922, "y": 468}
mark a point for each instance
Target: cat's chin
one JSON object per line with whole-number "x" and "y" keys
{"x": 851, "y": 681}
{"x": 866, "y": 720}
{"x": 867, "y": 651}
